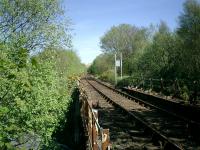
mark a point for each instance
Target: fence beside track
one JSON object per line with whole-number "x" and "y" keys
{"x": 98, "y": 138}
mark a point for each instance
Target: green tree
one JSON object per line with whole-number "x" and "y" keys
{"x": 33, "y": 24}
{"x": 189, "y": 35}
{"x": 35, "y": 97}
{"x": 34, "y": 90}
{"x": 102, "y": 63}
{"x": 155, "y": 60}
{"x": 126, "y": 39}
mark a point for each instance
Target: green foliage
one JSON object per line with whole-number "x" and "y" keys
{"x": 124, "y": 38}
{"x": 125, "y": 82}
{"x": 33, "y": 24}
{"x": 185, "y": 93}
{"x": 35, "y": 96}
{"x": 157, "y": 53}
{"x": 108, "y": 76}
{"x": 102, "y": 64}
{"x": 154, "y": 63}
{"x": 35, "y": 88}
{"x": 189, "y": 34}
{"x": 128, "y": 40}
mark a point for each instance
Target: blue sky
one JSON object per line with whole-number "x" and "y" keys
{"x": 92, "y": 18}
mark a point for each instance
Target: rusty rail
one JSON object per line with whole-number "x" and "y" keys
{"x": 98, "y": 137}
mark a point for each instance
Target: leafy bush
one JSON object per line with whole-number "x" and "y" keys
{"x": 35, "y": 91}
{"x": 108, "y": 76}
{"x": 34, "y": 94}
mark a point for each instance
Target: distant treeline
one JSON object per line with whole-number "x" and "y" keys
{"x": 154, "y": 51}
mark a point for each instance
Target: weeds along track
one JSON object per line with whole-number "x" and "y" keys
{"x": 124, "y": 133}
{"x": 166, "y": 130}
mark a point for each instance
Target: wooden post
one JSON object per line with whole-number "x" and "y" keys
{"x": 105, "y": 139}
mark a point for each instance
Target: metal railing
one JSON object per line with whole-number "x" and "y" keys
{"x": 98, "y": 137}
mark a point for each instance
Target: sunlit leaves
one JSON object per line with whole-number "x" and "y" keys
{"x": 163, "y": 53}
{"x": 33, "y": 24}
{"x": 35, "y": 96}
{"x": 34, "y": 90}
{"x": 189, "y": 35}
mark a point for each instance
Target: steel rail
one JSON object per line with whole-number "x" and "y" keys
{"x": 166, "y": 142}
{"x": 148, "y": 104}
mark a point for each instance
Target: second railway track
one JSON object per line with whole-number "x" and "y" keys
{"x": 168, "y": 131}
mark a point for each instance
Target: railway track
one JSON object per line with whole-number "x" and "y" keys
{"x": 188, "y": 111}
{"x": 124, "y": 134}
{"x": 167, "y": 131}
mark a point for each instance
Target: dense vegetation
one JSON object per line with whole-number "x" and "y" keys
{"x": 37, "y": 75}
{"x": 155, "y": 51}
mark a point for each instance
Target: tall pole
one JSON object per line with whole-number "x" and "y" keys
{"x": 115, "y": 71}
{"x": 121, "y": 65}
